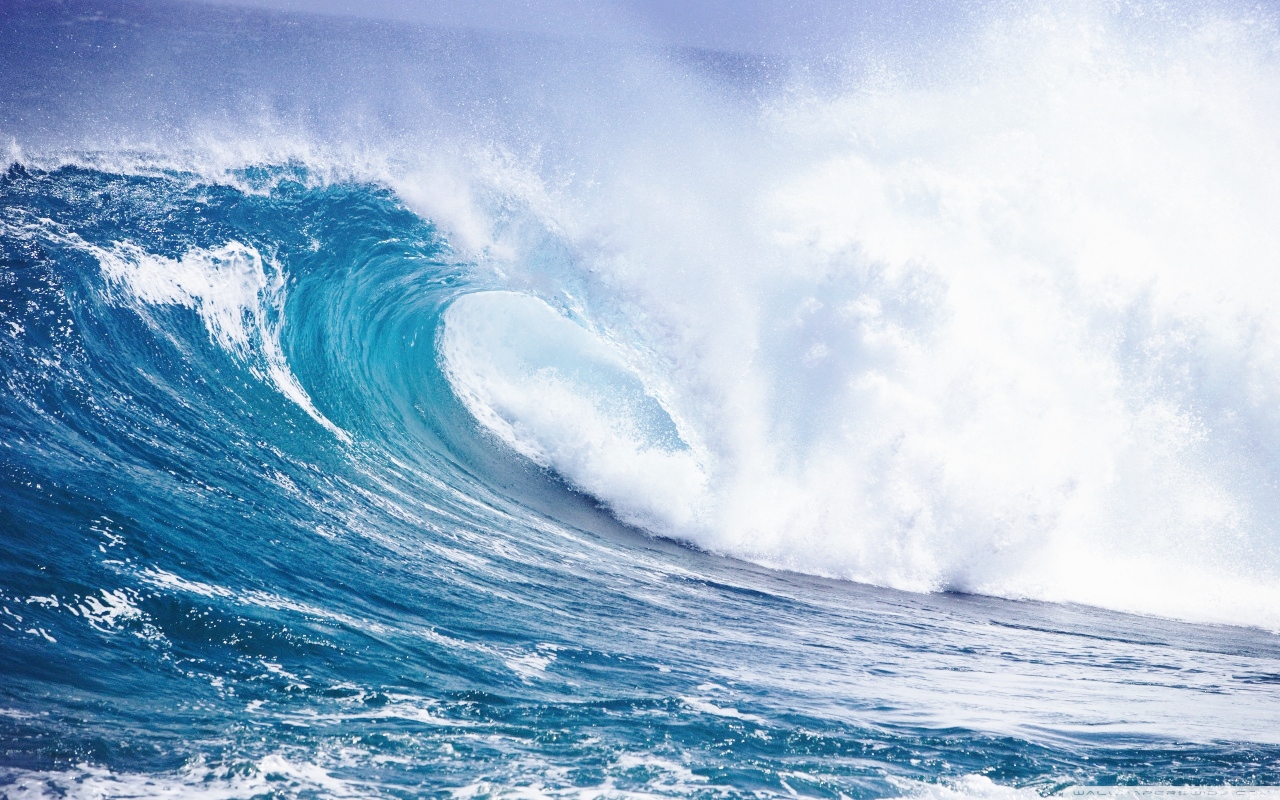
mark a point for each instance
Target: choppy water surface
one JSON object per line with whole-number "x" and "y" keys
{"x": 456, "y": 449}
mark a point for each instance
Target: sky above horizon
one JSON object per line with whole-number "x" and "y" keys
{"x": 757, "y": 26}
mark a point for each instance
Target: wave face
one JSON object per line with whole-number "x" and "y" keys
{"x": 397, "y": 411}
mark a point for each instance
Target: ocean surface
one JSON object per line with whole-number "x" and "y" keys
{"x": 390, "y": 410}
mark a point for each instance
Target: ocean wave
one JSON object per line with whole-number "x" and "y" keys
{"x": 393, "y": 411}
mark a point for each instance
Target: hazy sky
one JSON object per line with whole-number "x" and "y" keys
{"x": 742, "y": 25}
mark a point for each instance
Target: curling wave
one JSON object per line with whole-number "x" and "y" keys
{"x": 394, "y": 411}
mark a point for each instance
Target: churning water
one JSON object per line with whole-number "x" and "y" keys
{"x": 398, "y": 411}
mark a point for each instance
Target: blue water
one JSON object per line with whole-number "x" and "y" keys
{"x": 258, "y": 536}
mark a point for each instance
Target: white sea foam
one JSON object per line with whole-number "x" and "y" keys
{"x": 968, "y": 787}
{"x": 1008, "y": 328}
{"x": 280, "y": 775}
{"x": 110, "y": 611}
{"x": 274, "y": 775}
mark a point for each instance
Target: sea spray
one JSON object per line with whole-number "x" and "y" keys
{"x": 1005, "y": 330}
{"x": 389, "y": 411}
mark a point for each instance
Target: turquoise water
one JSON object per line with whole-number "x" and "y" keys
{"x": 282, "y": 516}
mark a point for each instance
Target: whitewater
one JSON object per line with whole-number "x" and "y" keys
{"x": 885, "y": 405}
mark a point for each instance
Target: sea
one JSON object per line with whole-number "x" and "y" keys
{"x": 887, "y": 405}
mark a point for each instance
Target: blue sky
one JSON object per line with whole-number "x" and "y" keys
{"x": 735, "y": 25}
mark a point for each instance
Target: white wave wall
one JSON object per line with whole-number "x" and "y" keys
{"x": 1006, "y": 324}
